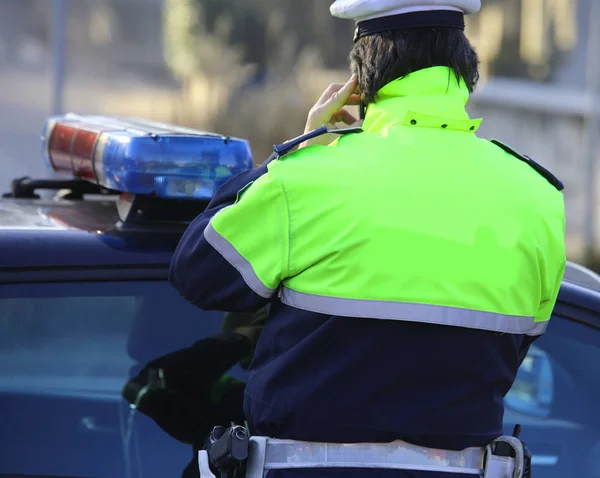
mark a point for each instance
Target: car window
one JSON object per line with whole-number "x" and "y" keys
{"x": 66, "y": 351}
{"x": 556, "y": 398}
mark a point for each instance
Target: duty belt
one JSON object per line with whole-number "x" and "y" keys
{"x": 506, "y": 457}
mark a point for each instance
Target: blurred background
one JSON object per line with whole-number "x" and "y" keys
{"x": 253, "y": 68}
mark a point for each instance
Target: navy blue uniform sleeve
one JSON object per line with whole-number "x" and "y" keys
{"x": 199, "y": 273}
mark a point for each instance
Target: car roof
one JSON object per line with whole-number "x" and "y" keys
{"x": 582, "y": 276}
{"x": 63, "y": 233}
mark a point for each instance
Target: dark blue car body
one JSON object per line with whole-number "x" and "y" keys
{"x": 85, "y": 303}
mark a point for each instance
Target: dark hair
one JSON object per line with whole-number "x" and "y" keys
{"x": 385, "y": 57}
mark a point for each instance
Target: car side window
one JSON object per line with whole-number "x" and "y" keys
{"x": 66, "y": 351}
{"x": 556, "y": 398}
{"x": 532, "y": 391}
{"x": 65, "y": 342}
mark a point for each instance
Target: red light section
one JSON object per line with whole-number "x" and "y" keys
{"x": 59, "y": 149}
{"x": 71, "y": 149}
{"x": 83, "y": 151}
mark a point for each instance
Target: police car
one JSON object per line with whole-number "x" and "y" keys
{"x": 85, "y": 304}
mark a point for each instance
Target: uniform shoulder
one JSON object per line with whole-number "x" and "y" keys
{"x": 283, "y": 149}
{"x": 551, "y": 178}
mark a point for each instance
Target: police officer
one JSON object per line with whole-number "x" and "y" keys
{"x": 409, "y": 266}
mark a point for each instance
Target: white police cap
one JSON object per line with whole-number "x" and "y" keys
{"x": 377, "y": 16}
{"x": 360, "y": 10}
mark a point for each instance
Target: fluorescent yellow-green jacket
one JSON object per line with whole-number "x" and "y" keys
{"x": 414, "y": 219}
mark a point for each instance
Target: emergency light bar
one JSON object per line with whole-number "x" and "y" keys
{"x": 143, "y": 157}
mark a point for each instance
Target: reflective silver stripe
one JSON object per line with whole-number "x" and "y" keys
{"x": 238, "y": 261}
{"x": 272, "y": 454}
{"x": 431, "y": 314}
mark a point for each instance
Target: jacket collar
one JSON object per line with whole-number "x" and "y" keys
{"x": 431, "y": 97}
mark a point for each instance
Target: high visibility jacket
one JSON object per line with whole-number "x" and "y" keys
{"x": 464, "y": 234}
{"x": 408, "y": 267}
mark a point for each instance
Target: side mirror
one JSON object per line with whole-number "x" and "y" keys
{"x": 533, "y": 390}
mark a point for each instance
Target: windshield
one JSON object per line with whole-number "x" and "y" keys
{"x": 67, "y": 349}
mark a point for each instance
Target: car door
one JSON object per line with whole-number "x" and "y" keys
{"x": 66, "y": 350}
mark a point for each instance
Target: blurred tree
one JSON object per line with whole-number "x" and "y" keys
{"x": 193, "y": 53}
{"x": 307, "y": 23}
{"x": 181, "y": 21}
{"x": 524, "y": 38}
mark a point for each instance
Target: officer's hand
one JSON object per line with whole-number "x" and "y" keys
{"x": 329, "y": 110}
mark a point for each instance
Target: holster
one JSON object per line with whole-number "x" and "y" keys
{"x": 507, "y": 457}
